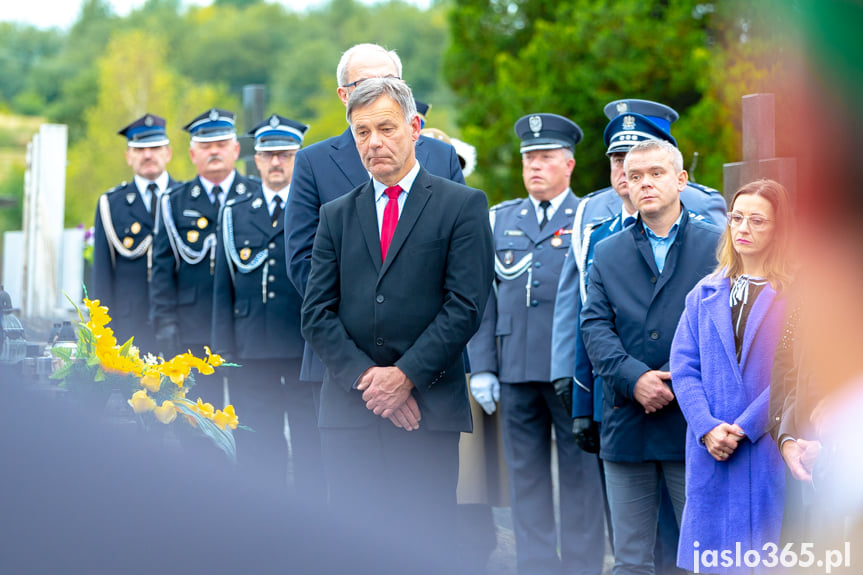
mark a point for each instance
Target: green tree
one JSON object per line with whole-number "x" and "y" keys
{"x": 133, "y": 80}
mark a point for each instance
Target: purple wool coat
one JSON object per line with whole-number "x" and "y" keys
{"x": 740, "y": 499}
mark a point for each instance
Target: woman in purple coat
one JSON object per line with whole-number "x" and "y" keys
{"x": 721, "y": 359}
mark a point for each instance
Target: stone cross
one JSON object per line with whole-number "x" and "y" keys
{"x": 759, "y": 149}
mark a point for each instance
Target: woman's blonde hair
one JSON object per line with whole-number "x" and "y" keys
{"x": 778, "y": 263}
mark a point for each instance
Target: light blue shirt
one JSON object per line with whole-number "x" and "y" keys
{"x": 660, "y": 245}
{"x": 225, "y": 185}
{"x": 381, "y": 198}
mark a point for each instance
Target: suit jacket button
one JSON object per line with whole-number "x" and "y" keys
{"x": 272, "y": 261}
{"x": 379, "y": 341}
{"x": 380, "y": 298}
{"x": 271, "y": 278}
{"x": 654, "y": 335}
{"x": 271, "y": 295}
{"x": 653, "y": 279}
{"x": 534, "y": 303}
{"x": 272, "y": 246}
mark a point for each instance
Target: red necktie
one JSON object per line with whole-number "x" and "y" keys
{"x": 391, "y": 218}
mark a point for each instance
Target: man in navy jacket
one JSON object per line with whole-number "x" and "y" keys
{"x": 636, "y": 293}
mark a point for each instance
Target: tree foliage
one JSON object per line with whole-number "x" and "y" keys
{"x": 511, "y": 58}
{"x": 133, "y": 80}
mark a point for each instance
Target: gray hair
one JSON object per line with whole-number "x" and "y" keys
{"x": 345, "y": 61}
{"x": 651, "y": 145}
{"x": 366, "y": 93}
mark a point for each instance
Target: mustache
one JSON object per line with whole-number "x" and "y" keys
{"x": 213, "y": 158}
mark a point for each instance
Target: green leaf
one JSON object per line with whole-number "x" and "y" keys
{"x": 221, "y": 438}
{"x": 100, "y": 375}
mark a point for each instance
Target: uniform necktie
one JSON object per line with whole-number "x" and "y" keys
{"x": 544, "y": 204}
{"x": 217, "y": 200}
{"x": 391, "y": 218}
{"x": 277, "y": 211}
{"x": 153, "y": 189}
{"x": 628, "y": 221}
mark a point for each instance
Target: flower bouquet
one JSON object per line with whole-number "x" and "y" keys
{"x": 155, "y": 388}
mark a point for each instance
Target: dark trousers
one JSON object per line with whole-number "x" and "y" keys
{"x": 262, "y": 391}
{"x": 400, "y": 484}
{"x": 529, "y": 411}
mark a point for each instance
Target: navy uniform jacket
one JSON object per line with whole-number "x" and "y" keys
{"x": 628, "y": 323}
{"x": 122, "y": 254}
{"x": 181, "y": 286}
{"x": 323, "y": 172}
{"x": 595, "y": 208}
{"x": 415, "y": 310}
{"x": 514, "y": 339}
{"x": 256, "y": 310}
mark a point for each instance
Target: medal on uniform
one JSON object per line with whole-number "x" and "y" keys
{"x": 245, "y": 253}
{"x": 241, "y": 188}
{"x": 130, "y": 198}
{"x": 202, "y": 222}
{"x": 508, "y": 257}
{"x": 556, "y": 241}
{"x": 196, "y": 191}
{"x": 128, "y": 242}
{"x": 192, "y": 236}
{"x": 136, "y": 227}
{"x": 257, "y": 203}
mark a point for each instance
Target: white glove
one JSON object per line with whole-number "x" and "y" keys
{"x": 485, "y": 389}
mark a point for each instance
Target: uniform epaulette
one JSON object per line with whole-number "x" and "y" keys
{"x": 703, "y": 188}
{"x": 697, "y": 217}
{"x": 596, "y": 193}
{"x": 505, "y": 204}
{"x": 117, "y": 187}
{"x": 237, "y": 199}
{"x": 600, "y": 223}
{"x": 175, "y": 187}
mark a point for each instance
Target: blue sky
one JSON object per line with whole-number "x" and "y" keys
{"x": 62, "y": 13}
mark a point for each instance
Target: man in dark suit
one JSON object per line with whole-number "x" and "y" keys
{"x": 636, "y": 293}
{"x": 184, "y": 252}
{"x": 329, "y": 169}
{"x": 123, "y": 238}
{"x": 400, "y": 275}
{"x": 256, "y": 321}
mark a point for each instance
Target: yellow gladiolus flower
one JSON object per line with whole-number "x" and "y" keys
{"x": 213, "y": 359}
{"x": 227, "y": 417}
{"x": 141, "y": 402}
{"x": 175, "y": 370}
{"x": 205, "y": 409}
{"x": 166, "y": 413}
{"x": 191, "y": 361}
{"x": 152, "y": 381}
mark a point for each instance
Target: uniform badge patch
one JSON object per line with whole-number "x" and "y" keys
{"x": 128, "y": 242}
{"x": 148, "y": 120}
{"x": 622, "y": 107}
{"x": 508, "y": 257}
{"x": 136, "y": 227}
{"x": 274, "y": 121}
{"x": 535, "y": 125}
{"x": 214, "y": 115}
{"x": 130, "y": 198}
{"x": 196, "y": 191}
{"x": 257, "y": 203}
{"x": 202, "y": 222}
{"x": 628, "y": 123}
{"x": 192, "y": 236}
{"x": 241, "y": 188}
{"x": 245, "y": 253}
